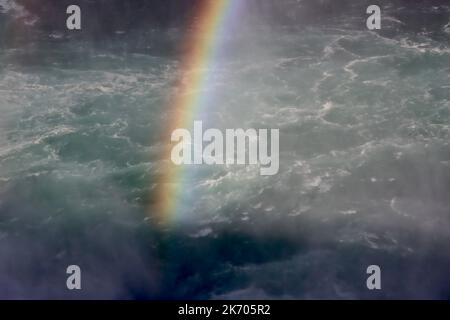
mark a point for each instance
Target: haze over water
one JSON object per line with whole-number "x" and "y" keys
{"x": 364, "y": 178}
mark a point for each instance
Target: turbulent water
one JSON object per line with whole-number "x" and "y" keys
{"x": 364, "y": 179}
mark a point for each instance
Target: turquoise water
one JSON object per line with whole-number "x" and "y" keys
{"x": 364, "y": 170}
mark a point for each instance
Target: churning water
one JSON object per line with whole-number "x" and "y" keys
{"x": 364, "y": 121}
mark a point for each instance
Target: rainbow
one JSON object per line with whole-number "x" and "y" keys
{"x": 201, "y": 48}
